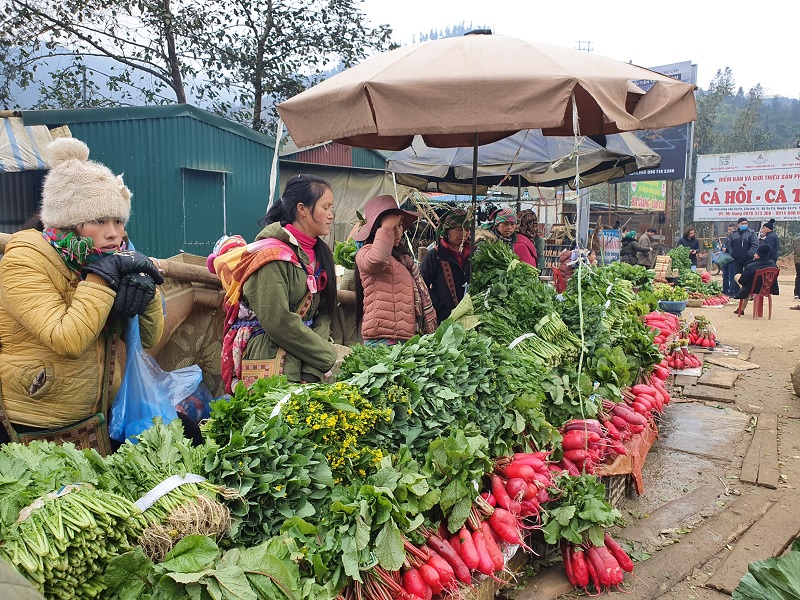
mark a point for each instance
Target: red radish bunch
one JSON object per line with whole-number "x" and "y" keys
{"x": 520, "y": 483}
{"x": 706, "y": 339}
{"x": 602, "y": 566}
{"x": 587, "y": 443}
{"x": 645, "y": 399}
{"x": 682, "y": 358}
{"x": 719, "y": 300}
{"x": 665, "y": 326}
{"x": 624, "y": 418}
{"x": 705, "y": 277}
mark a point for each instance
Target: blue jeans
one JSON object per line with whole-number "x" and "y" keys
{"x": 729, "y": 285}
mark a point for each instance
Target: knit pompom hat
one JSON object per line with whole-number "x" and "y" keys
{"x": 77, "y": 190}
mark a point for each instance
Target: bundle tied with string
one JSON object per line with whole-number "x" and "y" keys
{"x": 159, "y": 473}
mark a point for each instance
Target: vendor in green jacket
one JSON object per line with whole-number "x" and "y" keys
{"x": 293, "y": 300}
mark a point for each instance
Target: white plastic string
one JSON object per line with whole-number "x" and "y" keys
{"x": 165, "y": 487}
{"x": 576, "y": 133}
{"x": 273, "y": 174}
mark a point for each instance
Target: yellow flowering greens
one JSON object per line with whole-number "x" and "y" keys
{"x": 338, "y": 419}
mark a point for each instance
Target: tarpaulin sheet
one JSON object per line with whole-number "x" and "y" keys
{"x": 21, "y": 146}
{"x": 638, "y": 447}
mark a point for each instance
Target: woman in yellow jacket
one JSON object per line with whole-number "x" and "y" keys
{"x": 64, "y": 294}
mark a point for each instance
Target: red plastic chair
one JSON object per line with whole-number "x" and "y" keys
{"x": 768, "y": 276}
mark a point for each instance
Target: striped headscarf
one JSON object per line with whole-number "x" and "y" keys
{"x": 455, "y": 218}
{"x": 504, "y": 215}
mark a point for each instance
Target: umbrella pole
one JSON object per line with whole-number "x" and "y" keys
{"x": 474, "y": 196}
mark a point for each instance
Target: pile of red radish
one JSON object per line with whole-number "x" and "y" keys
{"x": 639, "y": 403}
{"x": 701, "y": 333}
{"x": 602, "y": 566}
{"x": 587, "y": 443}
{"x": 680, "y": 357}
{"x": 665, "y": 325}
{"x": 718, "y": 300}
{"x": 520, "y": 482}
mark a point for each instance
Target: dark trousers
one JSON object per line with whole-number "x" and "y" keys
{"x": 729, "y": 285}
{"x": 797, "y": 279}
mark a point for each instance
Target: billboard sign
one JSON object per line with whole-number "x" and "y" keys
{"x": 671, "y": 143}
{"x": 756, "y": 185}
{"x": 610, "y": 245}
{"x": 648, "y": 195}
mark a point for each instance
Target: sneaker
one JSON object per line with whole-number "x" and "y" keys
{"x": 796, "y": 307}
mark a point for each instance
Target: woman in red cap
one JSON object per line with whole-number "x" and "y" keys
{"x": 392, "y": 299}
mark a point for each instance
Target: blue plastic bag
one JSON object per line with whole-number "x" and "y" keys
{"x": 721, "y": 258}
{"x": 147, "y": 391}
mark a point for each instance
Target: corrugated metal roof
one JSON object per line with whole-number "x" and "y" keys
{"x": 126, "y": 113}
{"x": 161, "y": 150}
{"x": 334, "y": 154}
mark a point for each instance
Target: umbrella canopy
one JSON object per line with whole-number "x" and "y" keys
{"x": 536, "y": 158}
{"x": 450, "y": 89}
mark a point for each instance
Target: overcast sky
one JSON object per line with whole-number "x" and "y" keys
{"x": 759, "y": 41}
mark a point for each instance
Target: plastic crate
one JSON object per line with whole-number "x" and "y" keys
{"x": 545, "y": 552}
{"x": 617, "y": 487}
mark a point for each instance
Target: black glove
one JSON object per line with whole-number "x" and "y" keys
{"x": 135, "y": 292}
{"x": 114, "y": 266}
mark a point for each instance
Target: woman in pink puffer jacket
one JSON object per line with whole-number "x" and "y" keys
{"x": 391, "y": 296}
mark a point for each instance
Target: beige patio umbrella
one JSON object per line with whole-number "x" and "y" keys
{"x": 448, "y": 90}
{"x": 477, "y": 89}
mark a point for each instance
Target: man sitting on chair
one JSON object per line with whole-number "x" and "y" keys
{"x": 761, "y": 260}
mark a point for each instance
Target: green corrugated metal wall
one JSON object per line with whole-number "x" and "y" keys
{"x": 368, "y": 159}
{"x": 178, "y": 161}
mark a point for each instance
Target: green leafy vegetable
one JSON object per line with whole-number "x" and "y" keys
{"x": 772, "y": 578}
{"x": 579, "y": 511}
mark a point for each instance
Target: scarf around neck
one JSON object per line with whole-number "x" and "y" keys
{"x": 423, "y": 306}
{"x": 75, "y": 251}
{"x": 305, "y": 241}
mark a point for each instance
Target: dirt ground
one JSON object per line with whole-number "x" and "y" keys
{"x": 697, "y": 525}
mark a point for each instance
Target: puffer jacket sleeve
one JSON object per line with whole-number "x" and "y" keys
{"x": 151, "y": 323}
{"x": 29, "y": 294}
{"x": 752, "y": 240}
{"x": 267, "y": 292}
{"x": 375, "y": 257}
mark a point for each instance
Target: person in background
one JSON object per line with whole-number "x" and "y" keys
{"x": 690, "y": 240}
{"x": 504, "y": 226}
{"x": 392, "y": 299}
{"x": 760, "y": 260}
{"x": 282, "y": 290}
{"x": 446, "y": 267}
{"x": 647, "y": 256}
{"x": 65, "y": 293}
{"x": 741, "y": 245}
{"x": 528, "y": 226}
{"x": 729, "y": 268}
{"x": 630, "y": 248}
{"x": 797, "y": 268}
{"x": 768, "y": 236}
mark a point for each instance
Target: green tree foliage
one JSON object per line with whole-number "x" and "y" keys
{"x": 271, "y": 50}
{"x": 240, "y": 56}
{"x": 149, "y": 38}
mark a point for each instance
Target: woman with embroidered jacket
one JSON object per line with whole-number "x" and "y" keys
{"x": 64, "y": 293}
{"x": 288, "y": 302}
{"x": 392, "y": 299}
{"x": 446, "y": 267}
